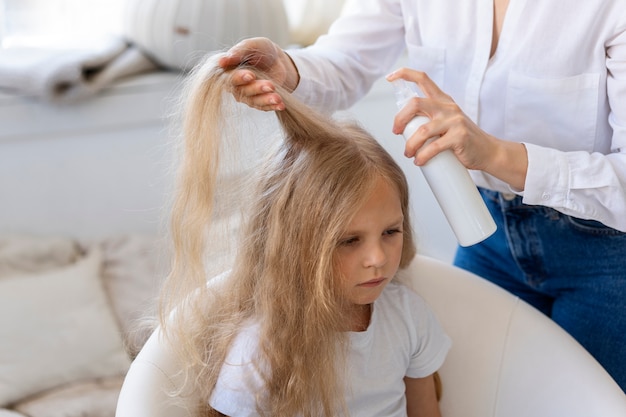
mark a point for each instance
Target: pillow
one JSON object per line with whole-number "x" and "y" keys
{"x": 94, "y": 398}
{"x": 56, "y": 327}
{"x": 25, "y": 254}
{"x": 133, "y": 267}
{"x": 10, "y": 413}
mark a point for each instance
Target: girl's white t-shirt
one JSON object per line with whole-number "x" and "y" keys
{"x": 404, "y": 338}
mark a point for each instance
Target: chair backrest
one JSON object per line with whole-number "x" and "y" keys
{"x": 507, "y": 359}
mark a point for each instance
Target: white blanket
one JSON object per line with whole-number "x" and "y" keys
{"x": 70, "y": 71}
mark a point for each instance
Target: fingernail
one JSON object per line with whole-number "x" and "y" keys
{"x": 266, "y": 89}
{"x": 247, "y": 77}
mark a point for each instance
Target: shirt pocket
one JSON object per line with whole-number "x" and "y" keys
{"x": 559, "y": 113}
{"x": 428, "y": 60}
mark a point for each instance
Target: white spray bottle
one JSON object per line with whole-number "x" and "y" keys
{"x": 451, "y": 184}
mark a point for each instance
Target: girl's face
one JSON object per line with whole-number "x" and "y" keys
{"x": 370, "y": 249}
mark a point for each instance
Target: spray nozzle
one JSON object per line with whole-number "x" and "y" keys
{"x": 403, "y": 91}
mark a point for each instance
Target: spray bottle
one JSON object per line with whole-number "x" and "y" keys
{"x": 451, "y": 184}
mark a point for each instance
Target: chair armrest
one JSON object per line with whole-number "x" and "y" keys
{"x": 152, "y": 378}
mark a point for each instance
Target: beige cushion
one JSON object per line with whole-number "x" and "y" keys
{"x": 10, "y": 413}
{"x": 56, "y": 327}
{"x": 133, "y": 269}
{"x": 94, "y": 398}
{"x": 25, "y": 254}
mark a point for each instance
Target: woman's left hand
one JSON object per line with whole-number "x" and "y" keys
{"x": 475, "y": 148}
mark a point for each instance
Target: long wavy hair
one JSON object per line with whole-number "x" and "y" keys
{"x": 282, "y": 270}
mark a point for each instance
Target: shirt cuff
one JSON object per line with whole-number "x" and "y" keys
{"x": 547, "y": 178}
{"x": 305, "y": 85}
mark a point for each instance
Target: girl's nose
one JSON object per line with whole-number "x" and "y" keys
{"x": 375, "y": 255}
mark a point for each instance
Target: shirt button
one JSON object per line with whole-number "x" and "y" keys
{"x": 545, "y": 196}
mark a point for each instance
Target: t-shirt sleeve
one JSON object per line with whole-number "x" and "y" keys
{"x": 239, "y": 384}
{"x": 431, "y": 343}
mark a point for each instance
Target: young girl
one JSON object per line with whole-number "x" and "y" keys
{"x": 308, "y": 320}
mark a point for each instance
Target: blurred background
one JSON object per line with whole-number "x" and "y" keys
{"x": 40, "y": 22}
{"x": 80, "y": 143}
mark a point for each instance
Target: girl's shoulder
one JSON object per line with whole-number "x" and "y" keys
{"x": 239, "y": 378}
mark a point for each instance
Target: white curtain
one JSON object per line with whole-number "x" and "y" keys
{"x": 42, "y": 22}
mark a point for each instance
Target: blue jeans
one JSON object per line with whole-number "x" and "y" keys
{"x": 572, "y": 270}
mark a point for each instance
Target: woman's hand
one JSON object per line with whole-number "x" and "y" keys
{"x": 475, "y": 148}
{"x": 265, "y": 55}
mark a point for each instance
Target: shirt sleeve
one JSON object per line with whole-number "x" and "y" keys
{"x": 360, "y": 47}
{"x": 432, "y": 342}
{"x": 588, "y": 185}
{"x": 239, "y": 384}
{"x": 580, "y": 184}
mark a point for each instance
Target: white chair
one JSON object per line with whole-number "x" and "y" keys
{"x": 507, "y": 359}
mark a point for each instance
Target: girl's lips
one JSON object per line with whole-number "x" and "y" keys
{"x": 372, "y": 283}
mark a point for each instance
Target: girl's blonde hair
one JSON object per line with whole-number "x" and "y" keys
{"x": 282, "y": 273}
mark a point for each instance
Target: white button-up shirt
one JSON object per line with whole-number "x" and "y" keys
{"x": 557, "y": 83}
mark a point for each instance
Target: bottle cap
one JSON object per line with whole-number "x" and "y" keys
{"x": 403, "y": 91}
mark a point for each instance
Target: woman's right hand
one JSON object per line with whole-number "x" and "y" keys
{"x": 265, "y": 55}
{"x": 475, "y": 148}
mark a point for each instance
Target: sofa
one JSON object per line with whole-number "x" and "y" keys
{"x": 73, "y": 315}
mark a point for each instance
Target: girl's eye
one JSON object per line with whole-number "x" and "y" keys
{"x": 348, "y": 241}
{"x": 392, "y": 232}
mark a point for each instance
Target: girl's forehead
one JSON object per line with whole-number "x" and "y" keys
{"x": 381, "y": 206}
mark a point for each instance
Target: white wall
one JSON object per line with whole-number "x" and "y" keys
{"x": 94, "y": 169}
